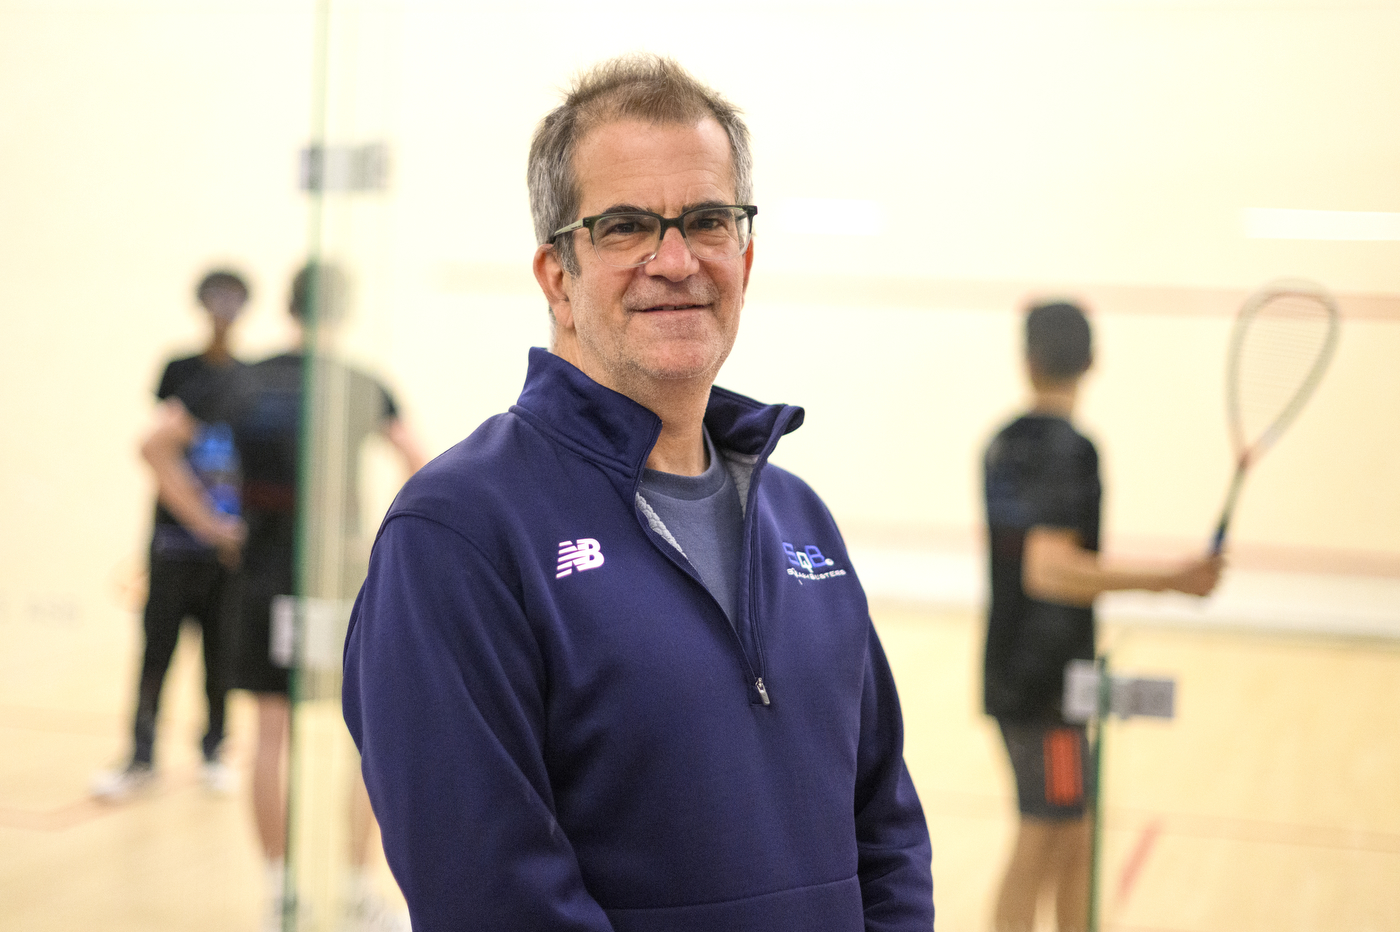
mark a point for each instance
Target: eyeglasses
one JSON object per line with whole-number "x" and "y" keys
{"x": 627, "y": 239}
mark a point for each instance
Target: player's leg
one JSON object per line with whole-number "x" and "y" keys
{"x": 218, "y": 601}
{"x": 362, "y": 823}
{"x": 1049, "y": 760}
{"x": 166, "y": 605}
{"x": 1027, "y": 870}
{"x": 365, "y": 908}
{"x": 270, "y": 804}
{"x": 1025, "y": 877}
{"x": 1071, "y": 862}
{"x": 253, "y": 670}
{"x": 1069, "y": 785}
{"x": 270, "y": 774}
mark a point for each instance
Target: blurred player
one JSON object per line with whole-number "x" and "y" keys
{"x": 1043, "y": 500}
{"x": 187, "y": 577}
{"x": 265, "y": 413}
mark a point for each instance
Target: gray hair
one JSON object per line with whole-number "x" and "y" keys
{"x": 643, "y": 87}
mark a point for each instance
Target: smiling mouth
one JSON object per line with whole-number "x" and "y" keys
{"x": 671, "y": 307}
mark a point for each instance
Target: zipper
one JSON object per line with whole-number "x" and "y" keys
{"x": 750, "y": 534}
{"x": 751, "y": 553}
{"x": 688, "y": 568}
{"x": 750, "y": 531}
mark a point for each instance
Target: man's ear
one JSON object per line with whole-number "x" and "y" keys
{"x": 554, "y": 282}
{"x": 748, "y": 264}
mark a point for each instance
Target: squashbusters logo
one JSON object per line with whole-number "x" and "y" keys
{"x": 809, "y": 563}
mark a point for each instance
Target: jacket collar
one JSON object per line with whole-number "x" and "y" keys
{"x": 608, "y": 426}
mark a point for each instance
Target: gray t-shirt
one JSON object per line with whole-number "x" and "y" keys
{"x": 704, "y": 515}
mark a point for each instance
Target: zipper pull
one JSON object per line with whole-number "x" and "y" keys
{"x": 762, "y": 693}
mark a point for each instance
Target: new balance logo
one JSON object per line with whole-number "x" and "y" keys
{"x": 582, "y": 554}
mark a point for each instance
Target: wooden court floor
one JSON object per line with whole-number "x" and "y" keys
{"x": 1271, "y": 803}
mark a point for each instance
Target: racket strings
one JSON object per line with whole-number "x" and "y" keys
{"x": 1280, "y": 351}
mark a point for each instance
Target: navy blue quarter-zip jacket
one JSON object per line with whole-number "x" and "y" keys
{"x": 561, "y": 729}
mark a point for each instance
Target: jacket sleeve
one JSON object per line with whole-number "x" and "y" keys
{"x": 891, "y": 835}
{"x": 444, "y": 695}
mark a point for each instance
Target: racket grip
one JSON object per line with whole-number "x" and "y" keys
{"x": 1217, "y": 542}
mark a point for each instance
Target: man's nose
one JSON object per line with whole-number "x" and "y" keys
{"x": 673, "y": 259}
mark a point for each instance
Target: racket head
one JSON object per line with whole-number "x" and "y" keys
{"x": 1283, "y": 340}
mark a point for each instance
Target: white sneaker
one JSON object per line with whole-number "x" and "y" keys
{"x": 279, "y": 910}
{"x": 115, "y": 786}
{"x": 370, "y": 913}
{"x": 219, "y": 777}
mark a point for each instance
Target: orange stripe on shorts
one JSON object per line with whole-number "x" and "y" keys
{"x": 1063, "y": 771}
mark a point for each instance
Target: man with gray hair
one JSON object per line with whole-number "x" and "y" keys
{"x": 611, "y": 669}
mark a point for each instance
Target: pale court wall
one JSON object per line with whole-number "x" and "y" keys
{"x": 1060, "y": 148}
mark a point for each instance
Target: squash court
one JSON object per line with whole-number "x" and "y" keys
{"x": 1156, "y": 161}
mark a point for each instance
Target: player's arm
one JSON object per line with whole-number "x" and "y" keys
{"x": 177, "y": 486}
{"x": 1056, "y": 567}
{"x": 402, "y": 438}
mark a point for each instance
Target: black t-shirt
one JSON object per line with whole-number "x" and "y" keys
{"x": 264, "y": 410}
{"x": 169, "y": 539}
{"x": 186, "y": 369}
{"x": 1039, "y": 471}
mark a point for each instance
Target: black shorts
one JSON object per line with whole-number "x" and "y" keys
{"x": 259, "y": 665}
{"x": 253, "y": 668}
{"x": 1054, "y": 769}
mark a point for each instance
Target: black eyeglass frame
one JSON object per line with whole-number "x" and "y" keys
{"x": 750, "y": 211}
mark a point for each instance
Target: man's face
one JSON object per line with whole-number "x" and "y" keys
{"x": 670, "y": 323}
{"x": 223, "y": 303}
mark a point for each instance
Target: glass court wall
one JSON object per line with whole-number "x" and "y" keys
{"x": 346, "y": 171}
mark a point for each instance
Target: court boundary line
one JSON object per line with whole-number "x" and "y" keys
{"x": 779, "y": 287}
{"x": 69, "y": 815}
{"x": 1203, "y": 826}
{"x": 1246, "y": 555}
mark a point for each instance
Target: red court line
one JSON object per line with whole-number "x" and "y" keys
{"x": 970, "y": 295}
{"x": 68, "y": 815}
{"x": 55, "y": 820}
{"x": 1216, "y": 302}
{"x": 1281, "y": 833}
{"x": 1133, "y": 866}
{"x": 1261, "y": 831}
{"x": 1185, "y": 825}
{"x": 775, "y": 286}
